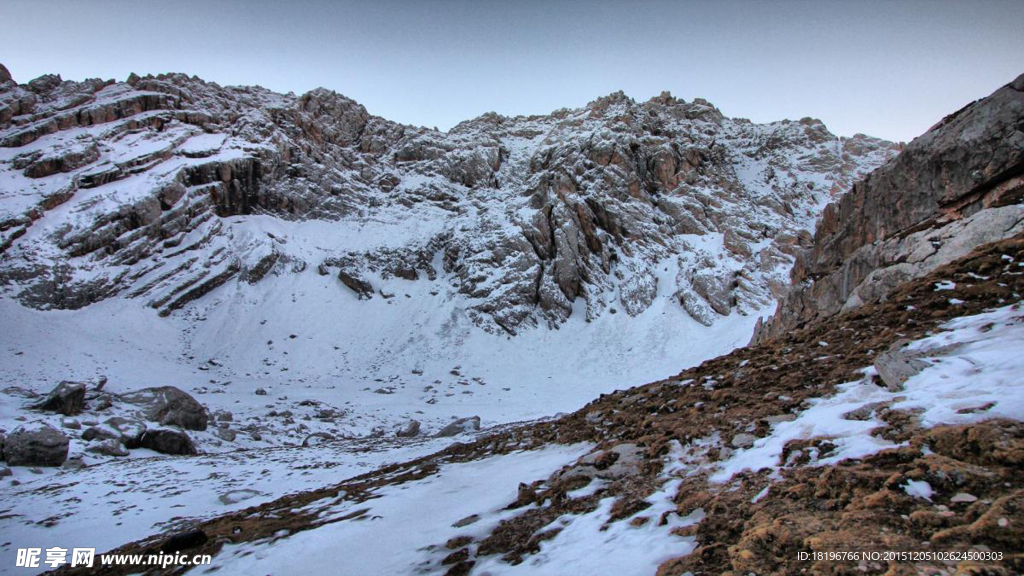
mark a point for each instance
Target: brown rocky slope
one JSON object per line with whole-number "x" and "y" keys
{"x": 855, "y": 505}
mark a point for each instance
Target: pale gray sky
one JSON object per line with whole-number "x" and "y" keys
{"x": 887, "y": 68}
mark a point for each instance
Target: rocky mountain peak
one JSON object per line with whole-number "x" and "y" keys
{"x": 130, "y": 189}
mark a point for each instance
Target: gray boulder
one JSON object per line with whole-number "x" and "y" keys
{"x": 409, "y": 429}
{"x": 167, "y": 441}
{"x": 108, "y": 447}
{"x": 99, "y": 433}
{"x": 68, "y": 398}
{"x": 471, "y": 424}
{"x": 896, "y": 365}
{"x": 169, "y": 406}
{"x": 36, "y": 444}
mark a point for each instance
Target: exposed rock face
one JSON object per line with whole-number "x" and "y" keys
{"x": 167, "y": 441}
{"x": 958, "y": 186}
{"x": 36, "y": 444}
{"x": 169, "y": 406}
{"x": 67, "y": 398}
{"x": 608, "y": 205}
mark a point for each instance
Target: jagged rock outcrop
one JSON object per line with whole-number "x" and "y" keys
{"x": 146, "y": 189}
{"x": 958, "y": 186}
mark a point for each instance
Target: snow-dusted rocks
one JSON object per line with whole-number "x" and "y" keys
{"x": 408, "y": 430}
{"x": 108, "y": 447}
{"x": 167, "y": 441}
{"x": 169, "y": 406}
{"x": 67, "y": 398}
{"x": 460, "y": 426}
{"x": 36, "y": 444}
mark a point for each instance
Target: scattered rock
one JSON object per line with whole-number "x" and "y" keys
{"x": 409, "y": 429}
{"x": 317, "y": 438}
{"x": 5, "y": 471}
{"x": 471, "y": 424}
{"x": 36, "y": 444}
{"x": 108, "y": 447}
{"x": 167, "y": 441}
{"x": 963, "y": 497}
{"x": 75, "y": 463}
{"x": 896, "y": 365}
{"x": 743, "y": 440}
{"x": 130, "y": 430}
{"x": 261, "y": 392}
{"x": 226, "y": 434}
{"x": 70, "y": 424}
{"x": 466, "y": 521}
{"x": 170, "y": 406}
{"x": 67, "y": 398}
{"x": 96, "y": 432}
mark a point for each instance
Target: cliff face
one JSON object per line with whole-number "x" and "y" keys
{"x": 145, "y": 189}
{"x": 959, "y": 185}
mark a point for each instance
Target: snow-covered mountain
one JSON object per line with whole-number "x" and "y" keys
{"x": 310, "y": 272}
{"x": 162, "y": 189}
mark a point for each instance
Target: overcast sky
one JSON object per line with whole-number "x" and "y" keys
{"x": 886, "y": 68}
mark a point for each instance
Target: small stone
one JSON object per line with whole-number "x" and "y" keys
{"x": 1003, "y": 523}
{"x": 261, "y": 392}
{"x": 743, "y": 440}
{"x": 466, "y": 521}
{"x": 963, "y": 497}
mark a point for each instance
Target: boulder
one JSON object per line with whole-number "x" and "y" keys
{"x": 108, "y": 447}
{"x": 68, "y": 398}
{"x": 70, "y": 424}
{"x": 129, "y": 430}
{"x": 99, "y": 433}
{"x": 896, "y": 365}
{"x": 743, "y": 440}
{"x": 5, "y": 472}
{"x": 409, "y": 429}
{"x": 36, "y": 444}
{"x": 460, "y": 426}
{"x": 169, "y": 406}
{"x": 167, "y": 441}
